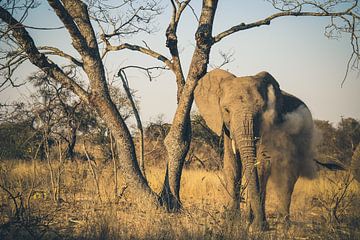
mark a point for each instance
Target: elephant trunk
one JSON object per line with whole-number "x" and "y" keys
{"x": 245, "y": 142}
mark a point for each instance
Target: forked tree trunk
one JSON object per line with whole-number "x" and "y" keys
{"x": 177, "y": 141}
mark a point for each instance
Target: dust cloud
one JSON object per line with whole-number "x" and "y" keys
{"x": 270, "y": 113}
{"x": 291, "y": 145}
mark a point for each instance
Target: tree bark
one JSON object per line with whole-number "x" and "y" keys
{"x": 138, "y": 121}
{"x": 72, "y": 142}
{"x": 177, "y": 141}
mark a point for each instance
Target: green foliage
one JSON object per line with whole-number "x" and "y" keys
{"x": 348, "y": 137}
{"x": 355, "y": 163}
{"x": 206, "y": 147}
{"x": 202, "y": 134}
{"x": 18, "y": 140}
{"x": 338, "y": 143}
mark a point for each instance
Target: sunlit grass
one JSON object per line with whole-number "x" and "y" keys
{"x": 81, "y": 214}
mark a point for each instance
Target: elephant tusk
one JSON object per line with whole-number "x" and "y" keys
{"x": 233, "y": 146}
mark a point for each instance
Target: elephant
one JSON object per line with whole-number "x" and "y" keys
{"x": 265, "y": 130}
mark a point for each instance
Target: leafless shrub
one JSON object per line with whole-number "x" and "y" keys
{"x": 336, "y": 199}
{"x": 19, "y": 220}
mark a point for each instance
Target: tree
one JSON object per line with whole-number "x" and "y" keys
{"x": 206, "y": 147}
{"x": 355, "y": 163}
{"x": 327, "y": 149}
{"x": 78, "y": 19}
{"x": 17, "y": 140}
{"x": 348, "y": 137}
{"x": 338, "y": 144}
{"x": 56, "y": 111}
{"x": 19, "y": 137}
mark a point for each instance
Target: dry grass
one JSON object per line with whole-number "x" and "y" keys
{"x": 81, "y": 214}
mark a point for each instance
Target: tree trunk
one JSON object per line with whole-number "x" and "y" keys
{"x": 177, "y": 144}
{"x": 177, "y": 141}
{"x": 129, "y": 165}
{"x": 71, "y": 144}
{"x": 115, "y": 167}
{"x": 138, "y": 121}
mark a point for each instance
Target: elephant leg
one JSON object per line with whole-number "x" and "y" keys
{"x": 264, "y": 168}
{"x": 285, "y": 190}
{"x": 232, "y": 173}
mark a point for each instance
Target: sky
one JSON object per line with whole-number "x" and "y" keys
{"x": 294, "y": 50}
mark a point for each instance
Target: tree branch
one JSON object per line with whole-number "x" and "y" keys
{"x": 58, "y": 52}
{"x": 146, "y": 51}
{"x": 267, "y": 21}
{"x": 37, "y": 58}
{"x": 335, "y": 9}
{"x": 136, "y": 16}
{"x": 78, "y": 39}
{"x": 44, "y": 28}
{"x": 172, "y": 43}
{"x": 78, "y": 10}
{"x": 147, "y": 70}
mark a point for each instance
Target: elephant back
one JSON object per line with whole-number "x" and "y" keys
{"x": 290, "y": 103}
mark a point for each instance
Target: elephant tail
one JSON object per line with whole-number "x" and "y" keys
{"x": 331, "y": 165}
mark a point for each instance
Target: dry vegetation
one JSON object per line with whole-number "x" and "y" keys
{"x": 54, "y": 198}
{"x": 29, "y": 212}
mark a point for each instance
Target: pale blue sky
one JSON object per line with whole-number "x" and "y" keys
{"x": 294, "y": 50}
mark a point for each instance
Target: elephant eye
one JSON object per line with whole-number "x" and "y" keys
{"x": 227, "y": 110}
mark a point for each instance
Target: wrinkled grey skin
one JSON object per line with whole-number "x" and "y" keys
{"x": 265, "y": 131}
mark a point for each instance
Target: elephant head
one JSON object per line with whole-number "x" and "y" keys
{"x": 238, "y": 105}
{"x": 217, "y": 91}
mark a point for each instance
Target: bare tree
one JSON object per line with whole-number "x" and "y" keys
{"x": 76, "y": 19}
{"x": 59, "y": 108}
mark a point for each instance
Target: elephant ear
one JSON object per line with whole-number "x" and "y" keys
{"x": 207, "y": 99}
{"x": 274, "y": 97}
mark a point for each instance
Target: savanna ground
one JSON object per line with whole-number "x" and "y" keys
{"x": 325, "y": 208}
